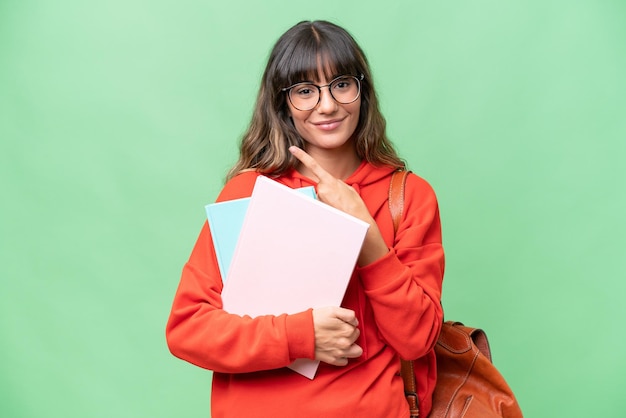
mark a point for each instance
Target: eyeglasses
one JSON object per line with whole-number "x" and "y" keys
{"x": 344, "y": 89}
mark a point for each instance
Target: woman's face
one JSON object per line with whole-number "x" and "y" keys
{"x": 328, "y": 126}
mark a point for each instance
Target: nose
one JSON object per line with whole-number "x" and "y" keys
{"x": 327, "y": 103}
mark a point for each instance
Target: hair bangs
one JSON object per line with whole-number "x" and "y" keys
{"x": 336, "y": 56}
{"x": 326, "y": 54}
{"x": 303, "y": 62}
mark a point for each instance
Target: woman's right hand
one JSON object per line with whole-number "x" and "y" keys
{"x": 335, "y": 333}
{"x": 340, "y": 195}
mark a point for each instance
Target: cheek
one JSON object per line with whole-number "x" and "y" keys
{"x": 355, "y": 108}
{"x": 296, "y": 117}
{"x": 356, "y": 114}
{"x": 298, "y": 121}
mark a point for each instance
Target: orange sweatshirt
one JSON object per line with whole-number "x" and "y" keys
{"x": 396, "y": 300}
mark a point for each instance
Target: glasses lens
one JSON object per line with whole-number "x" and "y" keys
{"x": 304, "y": 96}
{"x": 345, "y": 89}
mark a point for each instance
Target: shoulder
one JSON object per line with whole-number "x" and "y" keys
{"x": 418, "y": 185}
{"x": 419, "y": 195}
{"x": 239, "y": 186}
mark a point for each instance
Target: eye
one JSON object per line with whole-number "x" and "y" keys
{"x": 344, "y": 83}
{"x": 304, "y": 91}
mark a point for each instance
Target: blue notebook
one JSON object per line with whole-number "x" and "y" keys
{"x": 225, "y": 222}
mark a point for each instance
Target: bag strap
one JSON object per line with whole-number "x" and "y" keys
{"x": 396, "y": 196}
{"x": 396, "y": 206}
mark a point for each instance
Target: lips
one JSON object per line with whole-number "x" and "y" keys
{"x": 328, "y": 125}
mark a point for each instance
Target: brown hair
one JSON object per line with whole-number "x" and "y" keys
{"x": 296, "y": 57}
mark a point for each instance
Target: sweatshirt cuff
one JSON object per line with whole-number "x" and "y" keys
{"x": 377, "y": 274}
{"x": 301, "y": 335}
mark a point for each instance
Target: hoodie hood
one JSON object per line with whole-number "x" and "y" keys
{"x": 365, "y": 175}
{"x": 369, "y": 181}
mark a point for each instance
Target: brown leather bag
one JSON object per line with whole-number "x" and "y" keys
{"x": 468, "y": 384}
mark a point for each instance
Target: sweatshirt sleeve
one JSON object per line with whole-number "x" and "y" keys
{"x": 404, "y": 287}
{"x": 201, "y": 332}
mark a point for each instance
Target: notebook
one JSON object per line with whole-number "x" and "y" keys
{"x": 293, "y": 253}
{"x": 225, "y": 222}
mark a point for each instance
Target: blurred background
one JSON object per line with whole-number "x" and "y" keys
{"x": 119, "y": 120}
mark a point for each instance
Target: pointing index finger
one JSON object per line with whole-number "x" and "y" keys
{"x": 310, "y": 163}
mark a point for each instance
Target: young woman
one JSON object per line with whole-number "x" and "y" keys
{"x": 317, "y": 122}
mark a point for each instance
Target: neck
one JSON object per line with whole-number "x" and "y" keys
{"x": 340, "y": 163}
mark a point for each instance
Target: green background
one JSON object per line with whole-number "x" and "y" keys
{"x": 119, "y": 119}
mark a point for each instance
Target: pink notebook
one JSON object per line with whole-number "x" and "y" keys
{"x": 294, "y": 253}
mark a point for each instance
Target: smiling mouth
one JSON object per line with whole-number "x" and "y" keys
{"x": 328, "y": 125}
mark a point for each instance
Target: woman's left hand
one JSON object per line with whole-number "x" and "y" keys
{"x": 338, "y": 194}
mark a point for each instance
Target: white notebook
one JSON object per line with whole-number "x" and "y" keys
{"x": 293, "y": 253}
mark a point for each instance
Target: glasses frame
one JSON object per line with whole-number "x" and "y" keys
{"x": 289, "y": 89}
